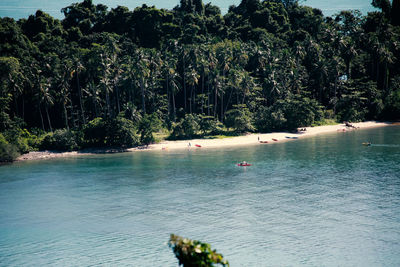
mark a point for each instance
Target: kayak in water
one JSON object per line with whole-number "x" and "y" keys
{"x": 244, "y": 164}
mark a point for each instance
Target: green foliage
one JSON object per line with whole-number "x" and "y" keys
{"x": 22, "y": 139}
{"x": 392, "y": 109}
{"x": 239, "y": 118}
{"x": 193, "y": 253}
{"x": 61, "y": 139}
{"x": 148, "y": 125}
{"x": 186, "y": 128}
{"x": 121, "y": 133}
{"x": 118, "y": 132}
{"x": 290, "y": 113}
{"x": 209, "y": 125}
{"x": 268, "y": 65}
{"x": 8, "y": 152}
{"x": 95, "y": 133}
{"x": 351, "y": 106}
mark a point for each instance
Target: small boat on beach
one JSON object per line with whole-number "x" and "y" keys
{"x": 244, "y": 164}
{"x": 274, "y": 139}
{"x": 291, "y": 137}
{"x": 263, "y": 142}
{"x": 196, "y": 145}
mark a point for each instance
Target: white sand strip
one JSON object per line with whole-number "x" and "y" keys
{"x": 251, "y": 139}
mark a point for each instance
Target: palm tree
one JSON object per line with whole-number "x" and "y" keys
{"x": 192, "y": 78}
{"x": 93, "y": 92}
{"x": 106, "y": 83}
{"x": 142, "y": 74}
{"x": 43, "y": 95}
{"x": 78, "y": 67}
{"x": 386, "y": 57}
{"x": 348, "y": 53}
{"x": 63, "y": 86}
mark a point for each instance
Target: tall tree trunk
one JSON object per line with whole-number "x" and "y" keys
{"x": 143, "y": 99}
{"x": 117, "y": 96}
{"x": 386, "y": 78}
{"x": 377, "y": 72}
{"x": 72, "y": 113}
{"x": 16, "y": 106}
{"x": 66, "y": 116}
{"x": 229, "y": 100}
{"x": 96, "y": 110}
{"x": 194, "y": 99}
{"x": 80, "y": 97}
{"x": 23, "y": 107}
{"x": 208, "y": 95}
{"x": 222, "y": 107}
{"x": 173, "y": 104}
{"x": 48, "y": 117}
{"x": 202, "y": 94}
{"x": 191, "y": 99}
{"x": 108, "y": 104}
{"x": 215, "y": 101}
{"x": 184, "y": 84}
{"x": 41, "y": 117}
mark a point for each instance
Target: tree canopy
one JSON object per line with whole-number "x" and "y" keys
{"x": 262, "y": 66}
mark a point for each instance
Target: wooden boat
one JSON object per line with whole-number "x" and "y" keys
{"x": 264, "y": 142}
{"x": 274, "y": 139}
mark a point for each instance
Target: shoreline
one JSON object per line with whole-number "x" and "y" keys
{"x": 237, "y": 141}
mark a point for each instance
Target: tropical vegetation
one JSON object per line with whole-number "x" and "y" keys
{"x": 112, "y": 77}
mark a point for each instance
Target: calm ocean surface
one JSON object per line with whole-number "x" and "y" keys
{"x": 23, "y": 8}
{"x": 319, "y": 201}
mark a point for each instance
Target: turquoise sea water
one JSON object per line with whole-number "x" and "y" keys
{"x": 23, "y": 8}
{"x": 318, "y": 201}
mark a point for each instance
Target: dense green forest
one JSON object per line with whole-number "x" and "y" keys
{"x": 111, "y": 78}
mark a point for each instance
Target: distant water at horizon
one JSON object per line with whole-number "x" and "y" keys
{"x": 18, "y": 9}
{"x": 325, "y": 200}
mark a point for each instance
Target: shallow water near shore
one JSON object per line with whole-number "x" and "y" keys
{"x": 319, "y": 201}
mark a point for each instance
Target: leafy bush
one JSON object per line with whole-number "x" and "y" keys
{"x": 94, "y": 133}
{"x": 21, "y": 138}
{"x": 148, "y": 125}
{"x": 239, "y": 118}
{"x": 186, "y": 127}
{"x": 392, "y": 108}
{"x": 193, "y": 253}
{"x": 289, "y": 114}
{"x": 62, "y": 139}
{"x": 209, "y": 125}
{"x": 352, "y": 104}
{"x": 118, "y": 132}
{"x": 8, "y": 152}
{"x": 121, "y": 132}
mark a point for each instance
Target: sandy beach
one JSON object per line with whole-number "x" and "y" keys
{"x": 246, "y": 140}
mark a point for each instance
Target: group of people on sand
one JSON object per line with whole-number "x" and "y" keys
{"x": 348, "y": 124}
